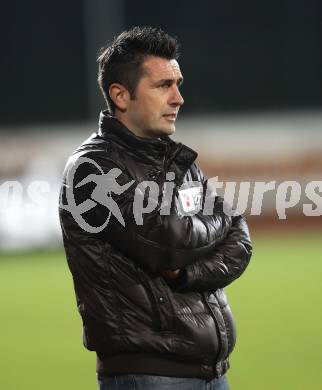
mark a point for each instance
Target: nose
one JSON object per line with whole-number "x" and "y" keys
{"x": 176, "y": 98}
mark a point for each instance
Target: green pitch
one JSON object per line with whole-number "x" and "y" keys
{"x": 277, "y": 305}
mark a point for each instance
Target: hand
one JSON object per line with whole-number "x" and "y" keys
{"x": 170, "y": 274}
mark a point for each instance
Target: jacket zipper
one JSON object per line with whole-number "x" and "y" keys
{"x": 167, "y": 159}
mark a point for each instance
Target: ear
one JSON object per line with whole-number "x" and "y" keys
{"x": 119, "y": 95}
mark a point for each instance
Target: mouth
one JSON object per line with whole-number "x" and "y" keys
{"x": 171, "y": 117}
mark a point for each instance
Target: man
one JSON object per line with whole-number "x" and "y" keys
{"x": 149, "y": 265}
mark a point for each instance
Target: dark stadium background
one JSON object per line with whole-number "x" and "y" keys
{"x": 237, "y": 55}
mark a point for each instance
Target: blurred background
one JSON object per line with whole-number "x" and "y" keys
{"x": 252, "y": 111}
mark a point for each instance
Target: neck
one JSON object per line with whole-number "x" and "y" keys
{"x": 130, "y": 126}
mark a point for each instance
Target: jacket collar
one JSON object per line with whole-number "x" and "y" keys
{"x": 176, "y": 156}
{"x": 112, "y": 128}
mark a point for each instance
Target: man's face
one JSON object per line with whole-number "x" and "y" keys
{"x": 154, "y": 109}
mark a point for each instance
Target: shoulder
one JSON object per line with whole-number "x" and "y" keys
{"x": 96, "y": 157}
{"x": 97, "y": 151}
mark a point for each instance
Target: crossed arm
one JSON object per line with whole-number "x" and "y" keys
{"x": 221, "y": 267}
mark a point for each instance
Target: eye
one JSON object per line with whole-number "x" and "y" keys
{"x": 166, "y": 84}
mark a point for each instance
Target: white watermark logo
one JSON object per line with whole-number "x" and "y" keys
{"x": 105, "y": 186}
{"x": 150, "y": 196}
{"x": 191, "y": 198}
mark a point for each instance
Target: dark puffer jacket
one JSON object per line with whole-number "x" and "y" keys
{"x": 136, "y": 320}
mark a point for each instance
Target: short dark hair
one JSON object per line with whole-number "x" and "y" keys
{"x": 121, "y": 61}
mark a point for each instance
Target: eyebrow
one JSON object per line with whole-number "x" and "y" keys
{"x": 171, "y": 81}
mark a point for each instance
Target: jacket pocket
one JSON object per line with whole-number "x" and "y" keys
{"x": 220, "y": 310}
{"x": 228, "y": 318}
{"x": 155, "y": 300}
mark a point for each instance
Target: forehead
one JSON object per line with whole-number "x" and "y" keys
{"x": 161, "y": 68}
